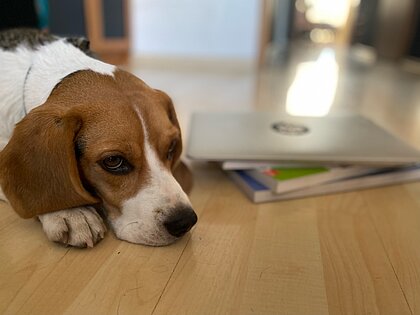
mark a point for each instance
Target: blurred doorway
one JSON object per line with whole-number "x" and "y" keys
{"x": 391, "y": 28}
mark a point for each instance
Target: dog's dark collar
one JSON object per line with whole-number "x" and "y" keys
{"x": 23, "y": 92}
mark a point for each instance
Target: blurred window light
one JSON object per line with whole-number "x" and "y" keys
{"x": 322, "y": 36}
{"x": 314, "y": 87}
{"x": 331, "y": 12}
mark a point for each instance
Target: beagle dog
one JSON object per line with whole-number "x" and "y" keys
{"x": 81, "y": 139}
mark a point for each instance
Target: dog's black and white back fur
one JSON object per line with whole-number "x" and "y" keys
{"x": 32, "y": 63}
{"x": 11, "y": 39}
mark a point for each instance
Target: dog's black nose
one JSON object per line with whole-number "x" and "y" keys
{"x": 181, "y": 221}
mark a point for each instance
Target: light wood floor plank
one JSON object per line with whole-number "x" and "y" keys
{"x": 285, "y": 267}
{"x": 395, "y": 212}
{"x": 50, "y": 290}
{"x": 128, "y": 282}
{"x": 359, "y": 277}
{"x": 26, "y": 258}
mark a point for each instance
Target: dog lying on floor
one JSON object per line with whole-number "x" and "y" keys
{"x": 79, "y": 137}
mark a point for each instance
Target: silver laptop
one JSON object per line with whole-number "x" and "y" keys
{"x": 262, "y": 136}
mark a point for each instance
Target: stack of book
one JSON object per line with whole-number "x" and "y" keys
{"x": 335, "y": 140}
{"x": 264, "y": 182}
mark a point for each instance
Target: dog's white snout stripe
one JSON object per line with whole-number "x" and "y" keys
{"x": 153, "y": 204}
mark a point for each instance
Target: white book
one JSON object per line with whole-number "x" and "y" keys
{"x": 247, "y": 165}
{"x": 282, "y": 179}
{"x": 257, "y": 192}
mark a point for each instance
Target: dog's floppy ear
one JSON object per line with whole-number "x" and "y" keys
{"x": 183, "y": 176}
{"x": 38, "y": 167}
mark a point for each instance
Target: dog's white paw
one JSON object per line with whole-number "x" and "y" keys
{"x": 80, "y": 227}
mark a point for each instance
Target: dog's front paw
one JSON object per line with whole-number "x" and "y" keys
{"x": 80, "y": 227}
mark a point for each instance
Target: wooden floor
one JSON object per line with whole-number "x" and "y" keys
{"x": 350, "y": 253}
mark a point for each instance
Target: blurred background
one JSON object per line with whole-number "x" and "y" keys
{"x": 298, "y": 57}
{"x": 246, "y": 33}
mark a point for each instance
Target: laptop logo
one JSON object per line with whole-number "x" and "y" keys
{"x": 289, "y": 129}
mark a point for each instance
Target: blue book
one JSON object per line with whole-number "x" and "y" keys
{"x": 258, "y": 192}
{"x": 282, "y": 179}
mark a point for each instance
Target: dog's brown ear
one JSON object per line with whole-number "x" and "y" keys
{"x": 38, "y": 167}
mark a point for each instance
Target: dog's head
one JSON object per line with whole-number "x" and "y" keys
{"x": 111, "y": 142}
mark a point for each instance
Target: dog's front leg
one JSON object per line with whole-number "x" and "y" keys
{"x": 80, "y": 227}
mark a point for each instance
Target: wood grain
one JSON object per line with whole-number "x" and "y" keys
{"x": 396, "y": 215}
{"x": 356, "y": 265}
{"x": 320, "y": 255}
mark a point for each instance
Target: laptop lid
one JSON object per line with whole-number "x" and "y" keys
{"x": 262, "y": 136}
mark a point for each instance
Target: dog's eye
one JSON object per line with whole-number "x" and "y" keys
{"x": 116, "y": 164}
{"x": 113, "y": 162}
{"x": 171, "y": 150}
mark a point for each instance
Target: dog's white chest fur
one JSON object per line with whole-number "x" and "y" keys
{"x": 13, "y": 68}
{"x": 27, "y": 77}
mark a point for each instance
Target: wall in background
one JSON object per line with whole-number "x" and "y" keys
{"x": 205, "y": 29}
